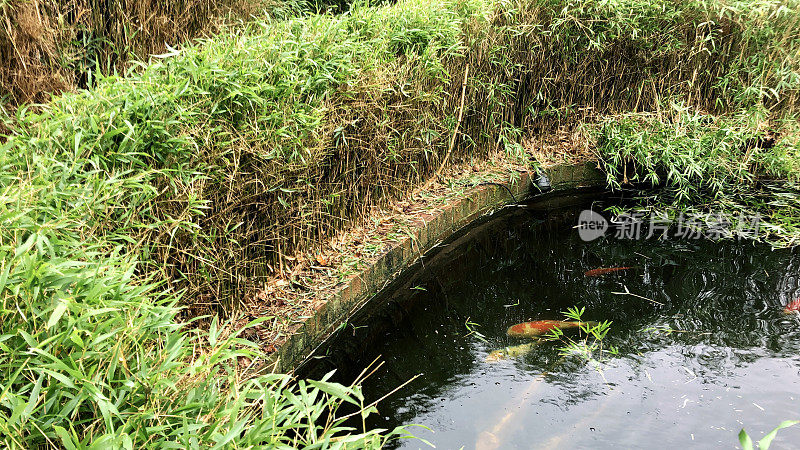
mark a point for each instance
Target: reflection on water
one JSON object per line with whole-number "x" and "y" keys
{"x": 706, "y": 352}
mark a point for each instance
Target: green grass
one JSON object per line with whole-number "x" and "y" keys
{"x": 121, "y": 201}
{"x": 741, "y": 165}
{"x": 93, "y": 354}
{"x": 709, "y": 115}
{"x": 243, "y": 146}
{"x": 766, "y": 441}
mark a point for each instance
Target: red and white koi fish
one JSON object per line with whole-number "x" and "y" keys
{"x": 792, "y": 307}
{"x": 604, "y": 270}
{"x": 540, "y": 327}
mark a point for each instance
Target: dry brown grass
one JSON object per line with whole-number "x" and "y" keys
{"x": 49, "y": 46}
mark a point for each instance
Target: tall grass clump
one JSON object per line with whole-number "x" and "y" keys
{"x": 256, "y": 144}
{"x": 732, "y": 147}
{"x": 546, "y": 62}
{"x": 740, "y": 165}
{"x": 48, "y": 46}
{"x": 695, "y": 155}
{"x": 124, "y": 201}
{"x": 93, "y": 354}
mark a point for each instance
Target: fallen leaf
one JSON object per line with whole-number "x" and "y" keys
{"x": 321, "y": 259}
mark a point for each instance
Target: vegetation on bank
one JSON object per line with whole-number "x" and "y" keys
{"x": 120, "y": 200}
{"x": 724, "y": 141}
{"x": 189, "y": 180}
{"x": 49, "y": 46}
{"x": 740, "y": 167}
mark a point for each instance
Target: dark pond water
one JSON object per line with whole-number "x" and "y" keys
{"x": 706, "y": 352}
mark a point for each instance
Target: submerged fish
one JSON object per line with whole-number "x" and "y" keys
{"x": 604, "y": 270}
{"x": 792, "y": 307}
{"x": 512, "y": 352}
{"x": 540, "y": 327}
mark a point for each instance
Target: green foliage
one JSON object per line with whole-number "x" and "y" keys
{"x": 50, "y": 46}
{"x": 590, "y": 345}
{"x": 93, "y": 356}
{"x": 766, "y": 441}
{"x": 229, "y": 142}
{"x": 713, "y": 116}
{"x": 735, "y": 164}
{"x": 690, "y": 153}
{"x": 600, "y": 25}
{"x": 91, "y": 359}
{"x": 119, "y": 198}
{"x": 736, "y": 55}
{"x": 472, "y": 327}
{"x": 194, "y": 175}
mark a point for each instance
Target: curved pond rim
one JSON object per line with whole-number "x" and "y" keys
{"x": 548, "y": 204}
{"x": 449, "y": 218}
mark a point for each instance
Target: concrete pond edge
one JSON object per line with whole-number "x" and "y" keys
{"x": 461, "y": 213}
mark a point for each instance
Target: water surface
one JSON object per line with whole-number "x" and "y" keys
{"x": 703, "y": 346}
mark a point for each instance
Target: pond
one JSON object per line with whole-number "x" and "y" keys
{"x": 698, "y": 346}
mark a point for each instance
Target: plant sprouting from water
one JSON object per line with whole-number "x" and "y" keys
{"x": 589, "y": 345}
{"x": 472, "y": 327}
{"x": 766, "y": 441}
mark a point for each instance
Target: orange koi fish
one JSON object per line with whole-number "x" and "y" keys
{"x": 540, "y": 327}
{"x": 792, "y": 307}
{"x": 604, "y": 270}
